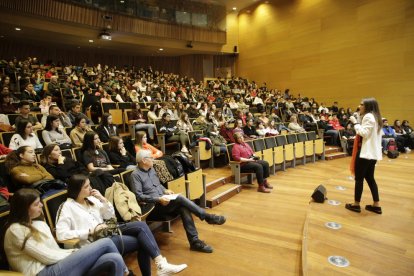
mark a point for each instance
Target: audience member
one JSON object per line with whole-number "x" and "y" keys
{"x": 78, "y": 132}
{"x": 118, "y": 155}
{"x": 24, "y": 110}
{"x": 250, "y": 163}
{"x": 106, "y": 129}
{"x": 32, "y": 250}
{"x": 141, "y": 144}
{"x": 147, "y": 187}
{"x": 53, "y": 134}
{"x": 135, "y": 116}
{"x": 24, "y": 136}
{"x": 63, "y": 118}
{"x": 172, "y": 133}
{"x": 84, "y": 212}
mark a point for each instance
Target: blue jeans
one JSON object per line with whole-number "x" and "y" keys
{"x": 92, "y": 259}
{"x": 137, "y": 237}
{"x": 185, "y": 208}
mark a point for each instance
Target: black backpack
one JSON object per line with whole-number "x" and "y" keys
{"x": 186, "y": 163}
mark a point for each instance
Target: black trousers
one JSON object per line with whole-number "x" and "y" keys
{"x": 259, "y": 167}
{"x": 365, "y": 169}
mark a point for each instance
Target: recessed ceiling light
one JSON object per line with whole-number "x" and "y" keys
{"x": 161, "y": 49}
{"x": 234, "y": 8}
{"x": 17, "y": 29}
{"x": 122, "y": 1}
{"x": 90, "y": 41}
{"x": 78, "y": 47}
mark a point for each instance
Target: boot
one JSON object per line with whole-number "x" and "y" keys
{"x": 263, "y": 189}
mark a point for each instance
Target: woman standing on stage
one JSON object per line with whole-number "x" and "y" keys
{"x": 366, "y": 152}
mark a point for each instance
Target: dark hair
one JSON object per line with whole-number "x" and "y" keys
{"x": 74, "y": 104}
{"x": 405, "y": 122}
{"x": 22, "y": 103}
{"x": 164, "y": 116}
{"x": 13, "y": 158}
{"x": 371, "y": 106}
{"x": 19, "y": 212}
{"x": 49, "y": 121}
{"x": 88, "y": 141}
{"x": 78, "y": 119}
{"x": 4, "y": 95}
{"x": 138, "y": 137}
{"x": 113, "y": 143}
{"x": 52, "y": 106}
{"x": 46, "y": 95}
{"x": 75, "y": 184}
{"x": 104, "y": 119}
{"x": 21, "y": 128}
{"x": 46, "y": 152}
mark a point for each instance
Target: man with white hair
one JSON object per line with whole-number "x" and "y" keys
{"x": 147, "y": 188}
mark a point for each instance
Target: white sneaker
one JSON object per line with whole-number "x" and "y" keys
{"x": 407, "y": 149}
{"x": 165, "y": 269}
{"x": 184, "y": 149}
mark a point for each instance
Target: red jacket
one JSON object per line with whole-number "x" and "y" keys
{"x": 4, "y": 150}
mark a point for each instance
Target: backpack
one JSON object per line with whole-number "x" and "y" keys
{"x": 124, "y": 201}
{"x": 173, "y": 166}
{"x": 392, "y": 151}
{"x": 186, "y": 163}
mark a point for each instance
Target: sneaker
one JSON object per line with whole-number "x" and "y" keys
{"x": 165, "y": 269}
{"x": 213, "y": 219}
{"x": 407, "y": 149}
{"x": 375, "y": 209}
{"x": 184, "y": 149}
{"x": 199, "y": 245}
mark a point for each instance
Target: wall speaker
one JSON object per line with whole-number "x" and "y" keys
{"x": 319, "y": 195}
{"x": 235, "y": 49}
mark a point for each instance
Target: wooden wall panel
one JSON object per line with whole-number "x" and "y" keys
{"x": 333, "y": 50}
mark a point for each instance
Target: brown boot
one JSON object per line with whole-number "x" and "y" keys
{"x": 267, "y": 185}
{"x": 262, "y": 189}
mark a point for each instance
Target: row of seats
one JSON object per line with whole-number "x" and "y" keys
{"x": 280, "y": 150}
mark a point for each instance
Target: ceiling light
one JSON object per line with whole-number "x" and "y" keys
{"x": 234, "y": 8}
{"x": 17, "y": 29}
{"x": 122, "y": 1}
{"x": 90, "y": 41}
{"x": 161, "y": 49}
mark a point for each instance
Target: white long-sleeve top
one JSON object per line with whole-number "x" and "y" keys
{"x": 17, "y": 141}
{"x": 371, "y": 138}
{"x": 36, "y": 255}
{"x": 76, "y": 221}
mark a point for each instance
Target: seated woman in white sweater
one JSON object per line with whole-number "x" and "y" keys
{"x": 52, "y": 134}
{"x": 32, "y": 250}
{"x": 24, "y": 136}
{"x": 84, "y": 212}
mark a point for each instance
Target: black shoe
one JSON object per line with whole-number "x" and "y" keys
{"x": 213, "y": 219}
{"x": 375, "y": 209}
{"x": 199, "y": 245}
{"x": 353, "y": 208}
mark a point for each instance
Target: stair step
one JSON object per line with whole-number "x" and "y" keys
{"x": 335, "y": 155}
{"x": 332, "y": 149}
{"x": 217, "y": 183}
{"x": 222, "y": 193}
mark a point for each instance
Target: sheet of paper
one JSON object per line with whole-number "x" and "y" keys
{"x": 170, "y": 197}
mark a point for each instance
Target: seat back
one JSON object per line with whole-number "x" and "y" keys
{"x": 107, "y": 106}
{"x": 40, "y": 136}
{"x": 229, "y": 151}
{"x": 270, "y": 142}
{"x": 12, "y": 118}
{"x": 195, "y": 186}
{"x": 301, "y": 137}
{"x": 126, "y": 178}
{"x": 78, "y": 155}
{"x": 51, "y": 206}
{"x": 127, "y": 105}
{"x": 291, "y": 138}
{"x": 67, "y": 153}
{"x": 6, "y": 138}
{"x": 311, "y": 135}
{"x": 178, "y": 186}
